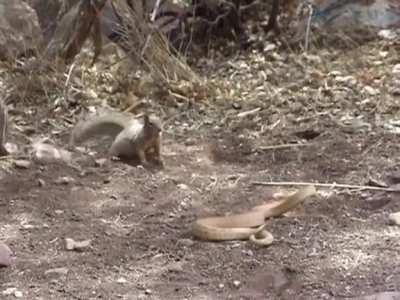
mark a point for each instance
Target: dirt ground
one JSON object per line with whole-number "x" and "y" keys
{"x": 337, "y": 245}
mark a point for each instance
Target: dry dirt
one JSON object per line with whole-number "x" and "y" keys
{"x": 337, "y": 245}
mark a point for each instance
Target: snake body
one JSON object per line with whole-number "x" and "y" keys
{"x": 249, "y": 225}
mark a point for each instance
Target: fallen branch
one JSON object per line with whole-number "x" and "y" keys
{"x": 249, "y": 112}
{"x": 328, "y": 185}
{"x": 283, "y": 146}
{"x": 66, "y": 85}
{"x": 133, "y": 106}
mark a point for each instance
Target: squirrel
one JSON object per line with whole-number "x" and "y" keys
{"x": 3, "y": 128}
{"x": 133, "y": 137}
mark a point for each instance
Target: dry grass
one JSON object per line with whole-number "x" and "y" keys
{"x": 149, "y": 46}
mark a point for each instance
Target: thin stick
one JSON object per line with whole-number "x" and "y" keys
{"x": 152, "y": 19}
{"x": 67, "y": 81}
{"x": 272, "y": 147}
{"x": 308, "y": 27}
{"x": 249, "y": 112}
{"x": 133, "y": 106}
{"x": 328, "y": 185}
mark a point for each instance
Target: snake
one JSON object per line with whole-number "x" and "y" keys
{"x": 249, "y": 225}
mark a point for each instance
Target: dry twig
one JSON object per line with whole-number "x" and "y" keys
{"x": 327, "y": 185}
{"x": 283, "y": 146}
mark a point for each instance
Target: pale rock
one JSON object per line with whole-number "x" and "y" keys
{"x": 396, "y": 70}
{"x": 65, "y": 180}
{"x": 349, "y": 80}
{"x": 59, "y": 271}
{"x": 394, "y": 218}
{"x": 371, "y": 91}
{"x": 387, "y": 34}
{"x": 70, "y": 244}
{"x": 6, "y": 255}
{"x": 22, "y": 164}
{"x": 121, "y": 280}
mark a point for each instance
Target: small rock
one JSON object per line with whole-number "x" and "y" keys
{"x": 183, "y": 186}
{"x": 148, "y": 291}
{"x": 70, "y": 244}
{"x": 80, "y": 149}
{"x": 11, "y": 147}
{"x": 100, "y": 162}
{"x": 175, "y": 267}
{"x": 22, "y": 164}
{"x": 18, "y": 294}
{"x": 383, "y": 54}
{"x": 371, "y": 91}
{"x": 335, "y": 73}
{"x": 9, "y": 291}
{"x": 236, "y": 283}
{"x": 44, "y": 153}
{"x": 121, "y": 280}
{"x": 221, "y": 286}
{"x": 387, "y": 34}
{"x": 269, "y": 47}
{"x": 236, "y": 105}
{"x": 41, "y": 182}
{"x": 396, "y": 70}
{"x": 58, "y": 211}
{"x": 60, "y": 271}
{"x": 186, "y": 242}
{"x": 277, "y": 56}
{"x": 28, "y": 226}
{"x": 349, "y": 80}
{"x": 6, "y": 256}
{"x": 65, "y": 180}
{"x": 394, "y": 218}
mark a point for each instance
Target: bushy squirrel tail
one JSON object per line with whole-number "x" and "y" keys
{"x": 111, "y": 124}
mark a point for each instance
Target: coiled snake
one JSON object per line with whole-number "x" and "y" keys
{"x": 249, "y": 225}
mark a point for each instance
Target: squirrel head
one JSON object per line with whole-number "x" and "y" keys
{"x": 152, "y": 122}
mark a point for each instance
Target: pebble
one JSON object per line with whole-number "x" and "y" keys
{"x": 121, "y": 280}
{"x": 396, "y": 70}
{"x": 60, "y": 271}
{"x": 22, "y": 164}
{"x": 387, "y": 34}
{"x": 100, "y": 162}
{"x": 65, "y": 180}
{"x": 70, "y": 244}
{"x": 18, "y": 294}
{"x": 394, "y": 218}
{"x": 6, "y": 255}
{"x": 185, "y": 242}
{"x": 350, "y": 80}
{"x": 371, "y": 91}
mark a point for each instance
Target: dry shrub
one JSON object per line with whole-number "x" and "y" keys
{"x": 147, "y": 45}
